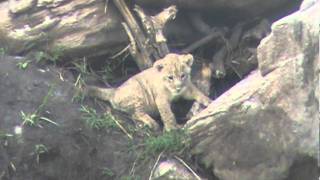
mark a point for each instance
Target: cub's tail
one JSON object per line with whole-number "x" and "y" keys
{"x": 105, "y": 94}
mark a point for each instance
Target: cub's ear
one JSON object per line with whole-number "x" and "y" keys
{"x": 187, "y": 58}
{"x": 158, "y": 65}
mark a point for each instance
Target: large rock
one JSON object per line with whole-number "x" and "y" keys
{"x": 267, "y": 126}
{"x": 172, "y": 169}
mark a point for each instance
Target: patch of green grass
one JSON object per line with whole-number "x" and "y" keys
{"x": 23, "y": 65}
{"x": 34, "y": 118}
{"x": 40, "y": 56}
{"x": 107, "y": 172}
{"x": 53, "y": 56}
{"x": 169, "y": 142}
{"x": 82, "y": 69}
{"x": 96, "y": 121}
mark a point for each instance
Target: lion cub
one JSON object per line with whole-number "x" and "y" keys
{"x": 151, "y": 91}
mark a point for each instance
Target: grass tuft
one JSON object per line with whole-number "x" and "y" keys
{"x": 173, "y": 141}
{"x": 96, "y": 121}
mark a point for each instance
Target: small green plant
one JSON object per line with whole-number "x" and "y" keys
{"x": 2, "y": 51}
{"x": 53, "y": 56}
{"x": 29, "y": 119}
{"x": 34, "y": 118}
{"x": 82, "y": 69}
{"x": 107, "y": 74}
{"x": 96, "y": 121}
{"x": 57, "y": 52}
{"x": 107, "y": 172}
{"x": 170, "y": 142}
{"x": 39, "y": 56}
{"x": 39, "y": 150}
{"x": 23, "y": 65}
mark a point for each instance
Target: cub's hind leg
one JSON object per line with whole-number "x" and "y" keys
{"x": 146, "y": 119}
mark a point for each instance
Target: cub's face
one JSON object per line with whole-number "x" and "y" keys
{"x": 174, "y": 70}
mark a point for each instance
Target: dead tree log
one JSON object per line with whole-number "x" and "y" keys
{"x": 142, "y": 53}
{"x": 154, "y": 25}
{"x": 151, "y": 41}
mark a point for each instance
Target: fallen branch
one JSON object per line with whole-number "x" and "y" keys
{"x": 155, "y": 165}
{"x": 188, "y": 167}
{"x": 215, "y": 33}
{"x": 143, "y": 59}
{"x": 153, "y": 26}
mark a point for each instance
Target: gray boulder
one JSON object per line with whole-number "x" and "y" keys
{"x": 267, "y": 126}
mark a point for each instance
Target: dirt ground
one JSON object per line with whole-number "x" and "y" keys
{"x": 69, "y": 150}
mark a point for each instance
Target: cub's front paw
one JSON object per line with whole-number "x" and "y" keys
{"x": 206, "y": 101}
{"x": 154, "y": 126}
{"x": 170, "y": 127}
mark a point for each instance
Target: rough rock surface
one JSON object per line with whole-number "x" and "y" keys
{"x": 267, "y": 126}
{"x": 172, "y": 169}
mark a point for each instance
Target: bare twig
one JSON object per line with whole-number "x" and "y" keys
{"x": 120, "y": 52}
{"x": 155, "y": 165}
{"x": 132, "y": 171}
{"x": 117, "y": 122}
{"x": 235, "y": 70}
{"x": 123, "y": 129}
{"x": 106, "y": 7}
{"x": 132, "y": 45}
{"x": 188, "y": 167}
{"x": 206, "y": 39}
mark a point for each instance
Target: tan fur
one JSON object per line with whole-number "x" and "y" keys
{"x": 151, "y": 91}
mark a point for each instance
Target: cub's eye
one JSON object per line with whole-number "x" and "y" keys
{"x": 183, "y": 76}
{"x": 170, "y": 78}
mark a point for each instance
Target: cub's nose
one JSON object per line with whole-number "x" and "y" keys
{"x": 178, "y": 85}
{"x": 178, "y": 88}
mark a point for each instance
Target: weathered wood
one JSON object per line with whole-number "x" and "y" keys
{"x": 81, "y": 28}
{"x": 143, "y": 61}
{"x": 153, "y": 26}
